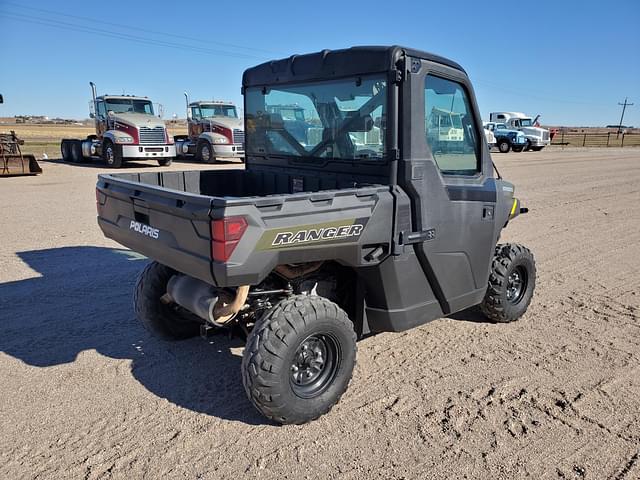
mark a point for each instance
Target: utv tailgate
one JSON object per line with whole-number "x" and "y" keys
{"x": 168, "y": 216}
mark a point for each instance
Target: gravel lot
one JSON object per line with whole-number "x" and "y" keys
{"x": 87, "y": 393}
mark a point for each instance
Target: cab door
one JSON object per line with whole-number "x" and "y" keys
{"x": 101, "y": 118}
{"x": 450, "y": 183}
{"x": 194, "y": 123}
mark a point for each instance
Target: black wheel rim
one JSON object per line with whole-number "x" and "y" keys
{"x": 517, "y": 285}
{"x": 314, "y": 365}
{"x": 110, "y": 155}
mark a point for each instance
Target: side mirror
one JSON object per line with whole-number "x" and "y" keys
{"x": 1, "y": 99}
{"x": 92, "y": 115}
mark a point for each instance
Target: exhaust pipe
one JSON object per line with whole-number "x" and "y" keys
{"x": 204, "y": 300}
{"x": 186, "y": 99}
{"x": 93, "y": 93}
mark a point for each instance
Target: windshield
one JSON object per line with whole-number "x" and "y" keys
{"x": 526, "y": 122}
{"x": 337, "y": 119}
{"x": 128, "y": 105}
{"x": 208, "y": 111}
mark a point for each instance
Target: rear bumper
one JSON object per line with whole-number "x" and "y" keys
{"x": 235, "y": 150}
{"x": 148, "y": 151}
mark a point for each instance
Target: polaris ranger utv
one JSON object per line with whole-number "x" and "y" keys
{"x": 326, "y": 239}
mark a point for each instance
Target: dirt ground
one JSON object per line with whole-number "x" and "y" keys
{"x": 87, "y": 393}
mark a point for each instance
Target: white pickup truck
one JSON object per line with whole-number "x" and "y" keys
{"x": 537, "y": 137}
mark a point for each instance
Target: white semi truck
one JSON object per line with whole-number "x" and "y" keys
{"x": 537, "y": 137}
{"x": 126, "y": 129}
{"x": 214, "y": 131}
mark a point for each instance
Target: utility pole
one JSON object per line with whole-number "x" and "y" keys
{"x": 624, "y": 107}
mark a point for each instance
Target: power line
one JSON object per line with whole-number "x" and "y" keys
{"x": 138, "y": 29}
{"x": 624, "y": 107}
{"x": 124, "y": 36}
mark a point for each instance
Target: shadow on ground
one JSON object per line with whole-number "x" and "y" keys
{"x": 82, "y": 301}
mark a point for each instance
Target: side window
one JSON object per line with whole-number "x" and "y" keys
{"x": 195, "y": 113}
{"x": 102, "y": 113}
{"x": 450, "y": 128}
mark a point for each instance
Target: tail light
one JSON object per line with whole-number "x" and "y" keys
{"x": 225, "y": 235}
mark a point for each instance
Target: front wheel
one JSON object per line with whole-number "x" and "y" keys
{"x": 112, "y": 154}
{"x": 165, "y": 162}
{"x": 299, "y": 359}
{"x": 504, "y": 146}
{"x": 204, "y": 152}
{"x": 517, "y": 149}
{"x": 512, "y": 281}
{"x": 537, "y": 149}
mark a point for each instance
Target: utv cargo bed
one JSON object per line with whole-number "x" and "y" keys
{"x": 171, "y": 217}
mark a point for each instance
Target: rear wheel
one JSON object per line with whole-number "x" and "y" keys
{"x": 504, "y": 146}
{"x": 112, "y": 154}
{"x": 76, "y": 151}
{"x": 65, "y": 150}
{"x": 511, "y": 283}
{"x": 537, "y": 149}
{"x": 204, "y": 152}
{"x": 162, "y": 320}
{"x": 299, "y": 359}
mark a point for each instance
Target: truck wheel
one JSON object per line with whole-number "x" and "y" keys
{"x": 511, "y": 283}
{"x": 165, "y": 162}
{"x": 76, "y": 151}
{"x": 537, "y": 149}
{"x": 517, "y": 149}
{"x": 65, "y": 150}
{"x": 112, "y": 154}
{"x": 162, "y": 320}
{"x": 527, "y": 146}
{"x": 204, "y": 152}
{"x": 504, "y": 146}
{"x": 299, "y": 359}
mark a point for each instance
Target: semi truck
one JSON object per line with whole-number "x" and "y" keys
{"x": 214, "y": 131}
{"x": 127, "y": 128}
{"x": 537, "y": 137}
{"x": 314, "y": 246}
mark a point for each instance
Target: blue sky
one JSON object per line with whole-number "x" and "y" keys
{"x": 571, "y": 62}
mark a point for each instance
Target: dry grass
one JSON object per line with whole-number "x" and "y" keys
{"x": 39, "y": 139}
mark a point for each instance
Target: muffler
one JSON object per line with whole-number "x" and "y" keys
{"x": 204, "y": 300}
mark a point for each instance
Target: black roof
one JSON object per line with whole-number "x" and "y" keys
{"x": 344, "y": 62}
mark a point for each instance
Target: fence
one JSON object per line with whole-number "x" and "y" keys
{"x": 610, "y": 139}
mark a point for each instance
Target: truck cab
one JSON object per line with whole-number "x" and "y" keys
{"x": 214, "y": 131}
{"x": 537, "y": 137}
{"x": 127, "y": 128}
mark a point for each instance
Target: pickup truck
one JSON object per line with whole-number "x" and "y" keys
{"x": 319, "y": 243}
{"x": 507, "y": 139}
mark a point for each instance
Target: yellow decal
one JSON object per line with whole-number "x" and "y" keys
{"x": 513, "y": 208}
